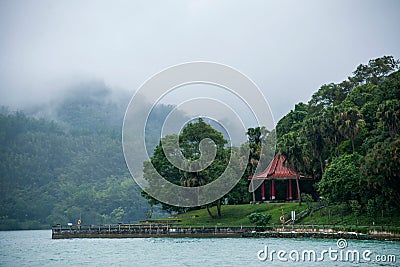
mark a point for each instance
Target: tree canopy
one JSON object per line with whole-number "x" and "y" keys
{"x": 189, "y": 142}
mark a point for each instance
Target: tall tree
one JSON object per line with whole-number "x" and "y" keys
{"x": 255, "y": 137}
{"x": 381, "y": 169}
{"x": 375, "y": 71}
{"x": 292, "y": 147}
{"x": 349, "y": 124}
{"x": 293, "y": 120}
{"x": 341, "y": 180}
{"x": 329, "y": 128}
{"x": 328, "y": 95}
{"x": 189, "y": 142}
{"x": 389, "y": 116}
{"x": 312, "y": 134}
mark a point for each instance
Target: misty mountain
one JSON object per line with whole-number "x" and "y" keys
{"x": 85, "y": 108}
{"x": 63, "y": 161}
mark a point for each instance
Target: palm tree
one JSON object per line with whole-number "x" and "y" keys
{"x": 312, "y": 133}
{"x": 254, "y": 136}
{"x": 389, "y": 116}
{"x": 349, "y": 124}
{"x": 291, "y": 147}
{"x": 329, "y": 128}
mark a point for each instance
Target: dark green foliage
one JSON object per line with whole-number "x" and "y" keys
{"x": 375, "y": 72}
{"x": 381, "y": 169}
{"x": 189, "y": 141}
{"x": 328, "y": 95}
{"x": 260, "y": 219}
{"x": 347, "y": 137}
{"x": 341, "y": 181}
{"x": 389, "y": 116}
{"x": 292, "y": 121}
{"x": 48, "y": 176}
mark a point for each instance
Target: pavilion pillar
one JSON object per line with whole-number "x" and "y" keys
{"x": 290, "y": 189}
{"x": 287, "y": 189}
{"x": 272, "y": 189}
{"x": 263, "y": 190}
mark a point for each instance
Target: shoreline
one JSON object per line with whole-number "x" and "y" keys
{"x": 168, "y": 231}
{"x": 321, "y": 235}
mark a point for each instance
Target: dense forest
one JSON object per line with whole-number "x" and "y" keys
{"x": 347, "y": 137}
{"x": 62, "y": 162}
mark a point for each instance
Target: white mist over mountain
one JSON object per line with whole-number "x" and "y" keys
{"x": 289, "y": 48}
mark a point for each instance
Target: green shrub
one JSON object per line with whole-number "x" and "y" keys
{"x": 260, "y": 219}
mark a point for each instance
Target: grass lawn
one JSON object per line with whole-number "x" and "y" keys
{"x": 331, "y": 216}
{"x": 237, "y": 215}
{"x": 336, "y": 215}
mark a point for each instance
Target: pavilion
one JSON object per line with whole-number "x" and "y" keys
{"x": 276, "y": 171}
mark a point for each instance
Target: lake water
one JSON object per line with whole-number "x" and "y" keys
{"x": 36, "y": 248}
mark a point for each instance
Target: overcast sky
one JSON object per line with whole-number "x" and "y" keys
{"x": 288, "y": 48}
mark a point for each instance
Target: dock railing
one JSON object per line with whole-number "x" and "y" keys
{"x": 176, "y": 230}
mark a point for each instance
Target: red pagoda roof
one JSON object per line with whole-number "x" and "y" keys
{"x": 276, "y": 170}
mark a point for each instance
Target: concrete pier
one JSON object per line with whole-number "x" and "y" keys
{"x": 179, "y": 231}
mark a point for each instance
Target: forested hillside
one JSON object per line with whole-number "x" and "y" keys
{"x": 68, "y": 164}
{"x": 347, "y": 137}
{"x": 64, "y": 161}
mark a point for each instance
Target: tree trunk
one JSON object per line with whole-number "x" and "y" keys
{"x": 322, "y": 165}
{"x": 219, "y": 208}
{"x": 352, "y": 144}
{"x": 337, "y": 146}
{"x": 298, "y": 189}
{"x": 254, "y": 193}
{"x": 209, "y": 211}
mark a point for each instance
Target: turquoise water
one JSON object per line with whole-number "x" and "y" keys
{"x": 36, "y": 248}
